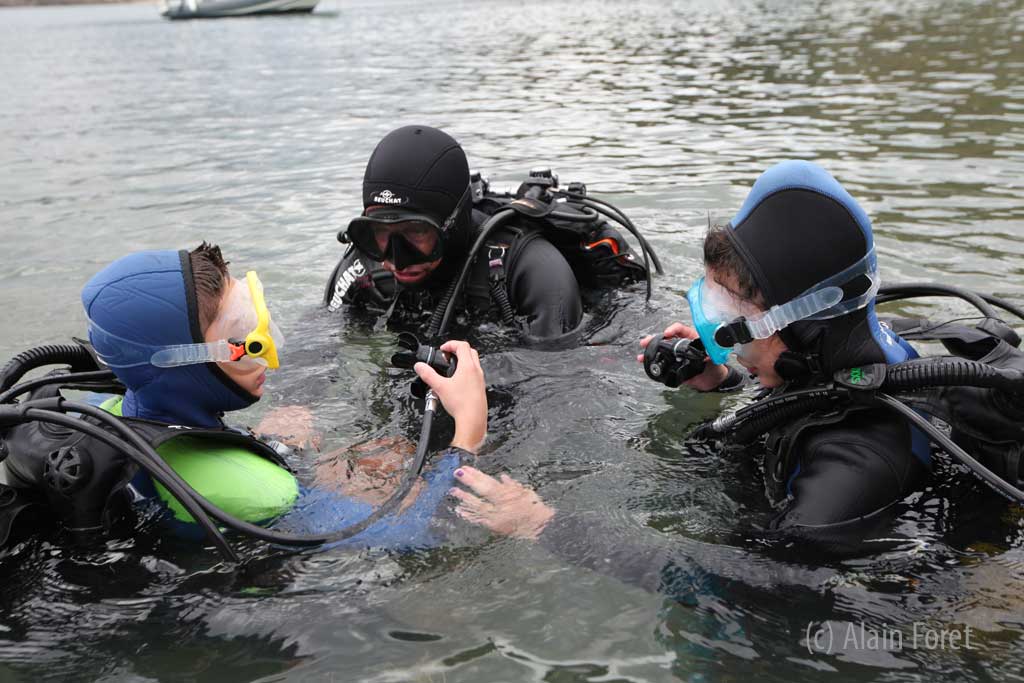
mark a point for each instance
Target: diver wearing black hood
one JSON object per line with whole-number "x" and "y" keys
{"x": 790, "y": 289}
{"x": 421, "y": 216}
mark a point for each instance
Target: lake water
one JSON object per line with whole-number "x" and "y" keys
{"x": 122, "y": 131}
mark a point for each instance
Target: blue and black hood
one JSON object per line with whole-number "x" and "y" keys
{"x": 796, "y": 228}
{"x": 149, "y": 298}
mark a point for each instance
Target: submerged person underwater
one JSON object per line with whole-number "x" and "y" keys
{"x": 190, "y": 343}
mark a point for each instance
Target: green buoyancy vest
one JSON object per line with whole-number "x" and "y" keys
{"x": 238, "y": 481}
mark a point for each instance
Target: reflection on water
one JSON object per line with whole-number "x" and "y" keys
{"x": 123, "y": 131}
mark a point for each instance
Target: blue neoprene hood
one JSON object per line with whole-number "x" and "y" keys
{"x": 149, "y": 297}
{"x": 803, "y": 175}
{"x": 798, "y": 226}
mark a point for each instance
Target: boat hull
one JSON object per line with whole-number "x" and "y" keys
{"x": 211, "y": 9}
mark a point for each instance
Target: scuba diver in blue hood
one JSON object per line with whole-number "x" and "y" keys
{"x": 789, "y": 288}
{"x": 188, "y": 343}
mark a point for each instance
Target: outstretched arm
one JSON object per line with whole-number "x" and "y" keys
{"x": 675, "y": 567}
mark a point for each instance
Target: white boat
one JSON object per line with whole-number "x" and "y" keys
{"x": 200, "y": 9}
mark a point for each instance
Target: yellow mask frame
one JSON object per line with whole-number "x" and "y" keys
{"x": 260, "y": 343}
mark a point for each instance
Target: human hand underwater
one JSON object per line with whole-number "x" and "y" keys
{"x": 462, "y": 394}
{"x": 291, "y": 425}
{"x": 369, "y": 471}
{"x": 712, "y": 376}
{"x": 503, "y": 505}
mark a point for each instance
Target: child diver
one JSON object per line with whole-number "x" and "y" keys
{"x": 190, "y": 343}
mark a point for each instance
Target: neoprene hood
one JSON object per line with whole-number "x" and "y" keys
{"x": 421, "y": 170}
{"x": 796, "y": 228}
{"x": 149, "y": 298}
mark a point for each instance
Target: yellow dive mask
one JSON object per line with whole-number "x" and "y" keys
{"x": 243, "y": 332}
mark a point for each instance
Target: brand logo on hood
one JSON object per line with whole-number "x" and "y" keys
{"x": 388, "y": 197}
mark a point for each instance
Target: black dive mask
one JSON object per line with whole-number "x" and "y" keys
{"x": 411, "y": 239}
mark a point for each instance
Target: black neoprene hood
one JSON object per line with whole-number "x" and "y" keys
{"x": 798, "y": 227}
{"x": 794, "y": 239}
{"x": 417, "y": 170}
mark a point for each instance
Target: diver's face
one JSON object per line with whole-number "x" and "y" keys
{"x": 759, "y": 356}
{"x": 421, "y": 236}
{"x": 249, "y": 376}
{"x": 411, "y": 275}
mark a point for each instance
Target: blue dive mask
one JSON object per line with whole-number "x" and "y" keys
{"x": 722, "y": 325}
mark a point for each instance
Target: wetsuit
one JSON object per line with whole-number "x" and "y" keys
{"x": 537, "y": 280}
{"x": 149, "y": 297}
{"x": 832, "y": 474}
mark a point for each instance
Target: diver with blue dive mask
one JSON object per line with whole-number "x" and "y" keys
{"x": 789, "y": 290}
{"x": 184, "y": 342}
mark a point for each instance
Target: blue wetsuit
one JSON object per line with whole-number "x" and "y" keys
{"x": 320, "y": 511}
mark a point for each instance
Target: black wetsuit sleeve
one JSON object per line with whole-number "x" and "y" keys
{"x": 675, "y": 566}
{"x": 734, "y": 381}
{"x": 544, "y": 290}
{"x": 574, "y": 539}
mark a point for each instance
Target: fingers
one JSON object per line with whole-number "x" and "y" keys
{"x": 462, "y": 350}
{"x": 469, "y": 359}
{"x": 480, "y": 483}
{"x": 428, "y": 375}
{"x": 453, "y": 346}
{"x": 464, "y": 496}
{"x": 680, "y": 330}
{"x": 471, "y": 508}
{"x": 476, "y": 517}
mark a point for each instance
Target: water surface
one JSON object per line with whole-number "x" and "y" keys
{"x": 122, "y": 131}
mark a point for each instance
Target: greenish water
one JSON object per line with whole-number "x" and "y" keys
{"x": 121, "y": 131}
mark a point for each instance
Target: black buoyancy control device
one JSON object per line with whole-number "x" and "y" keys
{"x": 580, "y": 226}
{"x": 978, "y": 391}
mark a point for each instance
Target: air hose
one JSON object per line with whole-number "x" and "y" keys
{"x": 610, "y": 211}
{"x": 589, "y": 210}
{"x": 859, "y": 384}
{"x": 749, "y": 422}
{"x": 990, "y": 478}
{"x": 499, "y": 294}
{"x": 447, "y": 304}
{"x": 75, "y": 355}
{"x": 913, "y": 290}
{"x": 924, "y": 374}
{"x": 55, "y": 410}
{"x": 983, "y": 302}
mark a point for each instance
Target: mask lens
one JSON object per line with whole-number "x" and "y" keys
{"x": 412, "y": 241}
{"x": 237, "y": 316}
{"x": 709, "y": 308}
{"x": 364, "y": 233}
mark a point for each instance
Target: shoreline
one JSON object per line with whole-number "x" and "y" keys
{"x": 58, "y": 3}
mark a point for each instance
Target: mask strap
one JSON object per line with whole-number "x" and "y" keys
{"x": 821, "y": 302}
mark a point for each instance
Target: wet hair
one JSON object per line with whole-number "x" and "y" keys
{"x": 210, "y": 275}
{"x": 720, "y": 255}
